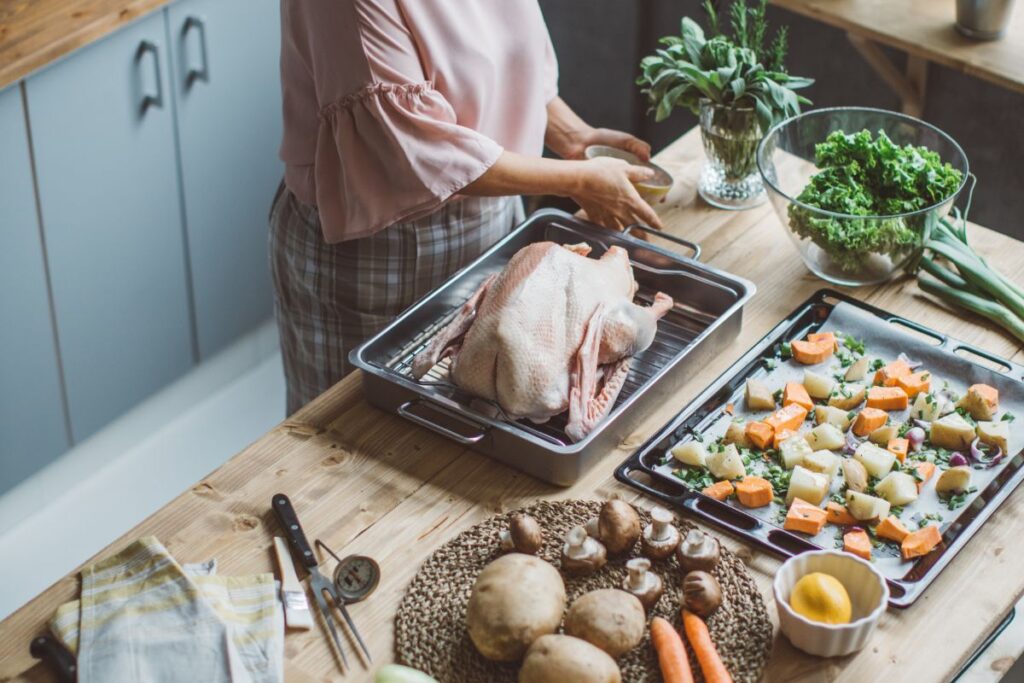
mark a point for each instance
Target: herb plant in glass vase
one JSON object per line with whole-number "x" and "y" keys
{"x": 738, "y": 87}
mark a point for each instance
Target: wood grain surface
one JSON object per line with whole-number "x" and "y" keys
{"x": 34, "y": 33}
{"x": 925, "y": 28}
{"x": 368, "y": 482}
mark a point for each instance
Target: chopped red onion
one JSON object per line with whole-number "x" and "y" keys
{"x": 987, "y": 459}
{"x": 916, "y": 436}
{"x": 914, "y": 364}
{"x": 852, "y": 443}
{"x": 957, "y": 459}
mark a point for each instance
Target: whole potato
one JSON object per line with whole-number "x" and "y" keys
{"x": 564, "y": 659}
{"x": 609, "y": 618}
{"x": 516, "y": 599}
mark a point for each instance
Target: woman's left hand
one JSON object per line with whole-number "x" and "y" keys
{"x": 611, "y": 138}
{"x": 568, "y": 135}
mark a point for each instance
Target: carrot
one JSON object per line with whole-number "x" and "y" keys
{"x": 675, "y": 667}
{"x": 707, "y": 656}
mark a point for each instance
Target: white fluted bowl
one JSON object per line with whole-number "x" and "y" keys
{"x": 869, "y": 597}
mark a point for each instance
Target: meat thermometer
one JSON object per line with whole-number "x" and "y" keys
{"x": 355, "y": 576}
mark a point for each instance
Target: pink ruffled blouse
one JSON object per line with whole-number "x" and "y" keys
{"x": 393, "y": 106}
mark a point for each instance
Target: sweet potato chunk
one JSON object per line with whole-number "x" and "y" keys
{"x": 899, "y": 448}
{"x": 804, "y": 517}
{"x": 981, "y": 401}
{"x": 886, "y": 376}
{"x": 915, "y": 383}
{"x": 868, "y": 420}
{"x": 788, "y": 417}
{"x": 920, "y": 542}
{"x": 891, "y": 528}
{"x": 720, "y": 490}
{"x": 760, "y": 434}
{"x": 754, "y": 492}
{"x": 926, "y": 470}
{"x": 887, "y": 398}
{"x": 858, "y": 543}
{"x": 829, "y": 337}
{"x": 837, "y": 514}
{"x": 797, "y": 393}
{"x": 812, "y": 353}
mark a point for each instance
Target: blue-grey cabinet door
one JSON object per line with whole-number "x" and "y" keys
{"x": 32, "y": 428}
{"x": 225, "y": 65}
{"x": 103, "y": 135}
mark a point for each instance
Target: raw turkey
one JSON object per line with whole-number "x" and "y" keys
{"x": 554, "y": 331}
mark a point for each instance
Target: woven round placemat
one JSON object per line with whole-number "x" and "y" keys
{"x": 430, "y": 632}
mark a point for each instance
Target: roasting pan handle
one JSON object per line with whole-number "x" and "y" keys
{"x": 404, "y": 411}
{"x": 692, "y": 246}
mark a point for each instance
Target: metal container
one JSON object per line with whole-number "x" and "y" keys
{"x": 707, "y": 313}
{"x": 983, "y": 19}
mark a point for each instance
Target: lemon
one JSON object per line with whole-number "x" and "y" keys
{"x": 820, "y": 597}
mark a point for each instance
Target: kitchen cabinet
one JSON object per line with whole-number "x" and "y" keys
{"x": 32, "y": 427}
{"x": 104, "y": 140}
{"x": 227, "y": 93}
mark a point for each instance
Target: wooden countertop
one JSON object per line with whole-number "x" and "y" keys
{"x": 365, "y": 481}
{"x": 34, "y": 33}
{"x": 924, "y": 28}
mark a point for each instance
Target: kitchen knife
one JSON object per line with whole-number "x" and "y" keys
{"x": 60, "y": 659}
{"x": 290, "y": 523}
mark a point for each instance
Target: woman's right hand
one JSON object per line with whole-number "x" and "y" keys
{"x": 604, "y": 190}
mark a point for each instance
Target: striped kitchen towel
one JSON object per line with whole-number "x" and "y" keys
{"x": 144, "y": 617}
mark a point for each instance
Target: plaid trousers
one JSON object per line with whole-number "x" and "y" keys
{"x": 329, "y": 298}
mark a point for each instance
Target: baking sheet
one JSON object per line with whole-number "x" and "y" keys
{"x": 884, "y": 340}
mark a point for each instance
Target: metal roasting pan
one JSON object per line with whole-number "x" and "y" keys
{"x": 708, "y": 310}
{"x": 639, "y": 470}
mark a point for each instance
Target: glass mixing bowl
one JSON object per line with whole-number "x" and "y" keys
{"x": 785, "y": 159}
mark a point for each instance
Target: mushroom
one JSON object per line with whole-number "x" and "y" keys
{"x": 581, "y": 554}
{"x": 516, "y": 599}
{"x": 660, "y": 538}
{"x": 646, "y": 586}
{"x": 698, "y": 551}
{"x": 592, "y": 528}
{"x": 618, "y": 526}
{"x": 609, "y": 618}
{"x": 558, "y": 659}
{"x": 701, "y": 593}
{"x": 523, "y": 535}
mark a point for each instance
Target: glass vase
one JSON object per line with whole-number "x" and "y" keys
{"x": 729, "y": 178}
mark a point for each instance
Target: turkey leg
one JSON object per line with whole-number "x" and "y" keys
{"x": 447, "y": 342}
{"x": 587, "y": 404}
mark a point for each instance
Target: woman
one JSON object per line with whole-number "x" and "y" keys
{"x": 410, "y": 129}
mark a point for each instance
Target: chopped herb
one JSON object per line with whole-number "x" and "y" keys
{"x": 845, "y": 358}
{"x": 967, "y": 416}
{"x": 958, "y": 499}
{"x": 877, "y": 364}
{"x": 896, "y": 510}
{"x": 698, "y": 436}
{"x": 929, "y": 399}
{"x": 1008, "y": 417}
{"x": 922, "y": 522}
{"x": 777, "y": 396}
{"x": 770, "y": 363}
{"x": 738, "y": 419}
{"x": 696, "y": 478}
{"x": 904, "y": 428}
{"x": 785, "y": 350}
{"x": 779, "y": 479}
{"x": 851, "y": 415}
{"x": 855, "y": 345}
{"x": 838, "y": 498}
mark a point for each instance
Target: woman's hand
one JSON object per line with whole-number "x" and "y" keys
{"x": 568, "y": 135}
{"x": 605, "y": 191}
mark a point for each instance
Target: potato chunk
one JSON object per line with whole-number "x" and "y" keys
{"x": 848, "y": 396}
{"x": 692, "y": 453}
{"x": 857, "y": 371}
{"x": 926, "y": 407}
{"x": 981, "y": 401}
{"x": 952, "y": 432}
{"x": 995, "y": 434}
{"x": 818, "y": 385}
{"x": 899, "y": 488}
{"x": 825, "y": 436}
{"x": 823, "y": 461}
{"x": 807, "y": 485}
{"x": 877, "y": 461}
{"x": 726, "y": 463}
{"x": 737, "y": 433}
{"x": 866, "y": 508}
{"x": 793, "y": 451}
{"x": 759, "y": 396}
{"x": 884, "y": 434}
{"x": 954, "y": 480}
{"x": 833, "y": 416}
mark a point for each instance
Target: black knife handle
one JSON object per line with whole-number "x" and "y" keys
{"x": 290, "y": 523}
{"x": 53, "y": 652}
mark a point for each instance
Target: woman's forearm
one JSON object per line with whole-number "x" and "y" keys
{"x": 516, "y": 173}
{"x": 566, "y": 133}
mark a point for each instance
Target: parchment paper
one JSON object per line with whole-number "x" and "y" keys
{"x": 885, "y": 340}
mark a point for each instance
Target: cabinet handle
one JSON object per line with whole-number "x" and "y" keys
{"x": 203, "y": 73}
{"x": 156, "y": 99}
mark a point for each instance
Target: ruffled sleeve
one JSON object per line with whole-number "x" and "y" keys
{"x": 390, "y": 152}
